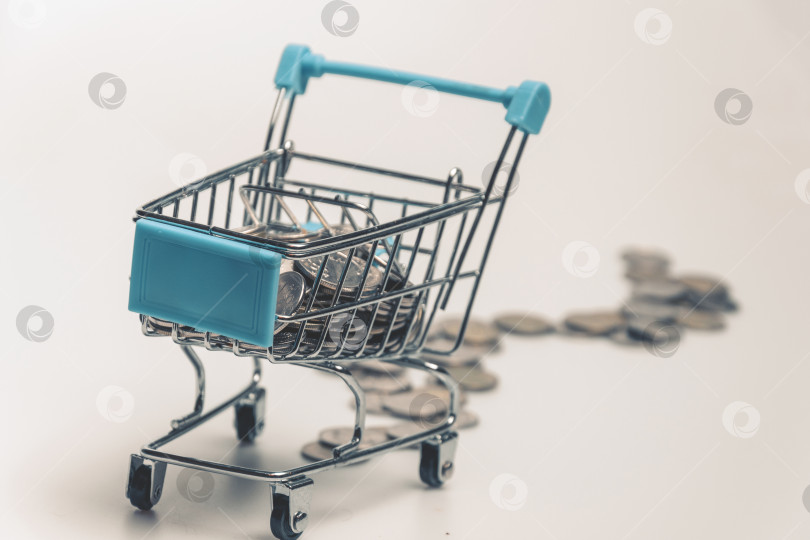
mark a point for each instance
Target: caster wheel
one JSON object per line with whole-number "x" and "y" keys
{"x": 250, "y": 415}
{"x": 290, "y": 511}
{"x": 436, "y": 461}
{"x": 280, "y": 519}
{"x": 145, "y": 485}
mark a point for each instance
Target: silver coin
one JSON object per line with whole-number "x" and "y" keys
{"x": 644, "y": 264}
{"x": 465, "y": 419}
{"x": 333, "y": 269}
{"x": 708, "y": 293}
{"x": 524, "y": 324}
{"x": 703, "y": 286}
{"x": 478, "y": 333}
{"x": 652, "y": 330}
{"x": 660, "y": 290}
{"x": 374, "y": 403}
{"x": 292, "y": 235}
{"x": 383, "y": 384}
{"x": 315, "y": 451}
{"x": 379, "y": 367}
{"x": 338, "y": 436}
{"x": 474, "y": 379}
{"x": 458, "y": 359}
{"x": 596, "y": 323}
{"x": 646, "y": 309}
{"x": 649, "y": 256}
{"x": 621, "y": 337}
{"x": 702, "y": 320}
{"x": 290, "y": 295}
{"x": 420, "y": 403}
{"x": 465, "y": 355}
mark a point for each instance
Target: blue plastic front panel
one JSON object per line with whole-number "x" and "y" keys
{"x": 210, "y": 283}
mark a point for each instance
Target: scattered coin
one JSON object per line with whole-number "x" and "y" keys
{"x": 652, "y": 330}
{"x": 473, "y": 379}
{"x": 645, "y": 264}
{"x": 378, "y": 367}
{"x": 337, "y": 436}
{"x": 699, "y": 319}
{"x": 597, "y": 323}
{"x": 420, "y": 403}
{"x": 647, "y": 309}
{"x": 465, "y": 355}
{"x": 660, "y": 290}
{"x": 524, "y": 324}
{"x": 383, "y": 383}
{"x": 374, "y": 403}
{"x": 621, "y": 337}
{"x": 464, "y": 419}
{"x": 478, "y": 333}
{"x": 701, "y": 286}
{"x": 315, "y": 451}
{"x": 639, "y": 255}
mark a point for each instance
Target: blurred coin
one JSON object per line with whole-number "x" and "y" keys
{"x": 379, "y": 367}
{"x": 640, "y": 255}
{"x": 713, "y": 303}
{"x": 636, "y": 308}
{"x": 643, "y": 264}
{"x": 702, "y": 320}
{"x": 464, "y": 419}
{"x": 373, "y": 403}
{"x": 596, "y": 323}
{"x": 478, "y": 333}
{"x": 315, "y": 451}
{"x": 337, "y": 436}
{"x": 524, "y": 324}
{"x": 465, "y": 355}
{"x": 383, "y": 383}
{"x": 473, "y": 379}
{"x": 420, "y": 403}
{"x": 652, "y": 330}
{"x": 660, "y": 290}
{"x": 621, "y": 337}
{"x": 701, "y": 286}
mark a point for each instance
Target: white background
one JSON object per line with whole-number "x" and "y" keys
{"x": 609, "y": 442}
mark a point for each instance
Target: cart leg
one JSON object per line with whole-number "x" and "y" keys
{"x": 359, "y": 402}
{"x": 199, "y": 386}
{"x": 290, "y": 507}
{"x": 145, "y": 484}
{"x": 250, "y": 415}
{"x": 436, "y": 463}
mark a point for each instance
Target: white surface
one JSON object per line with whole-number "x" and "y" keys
{"x": 609, "y": 442}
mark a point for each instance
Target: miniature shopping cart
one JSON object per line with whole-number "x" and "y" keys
{"x": 320, "y": 271}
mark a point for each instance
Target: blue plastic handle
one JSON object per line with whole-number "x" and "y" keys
{"x": 526, "y": 105}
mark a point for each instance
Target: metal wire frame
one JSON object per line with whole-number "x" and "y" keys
{"x": 376, "y": 234}
{"x": 268, "y": 184}
{"x": 342, "y": 455}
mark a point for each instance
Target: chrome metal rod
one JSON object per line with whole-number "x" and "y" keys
{"x": 199, "y": 379}
{"x": 202, "y": 418}
{"x": 359, "y": 402}
{"x": 480, "y": 212}
{"x": 341, "y": 458}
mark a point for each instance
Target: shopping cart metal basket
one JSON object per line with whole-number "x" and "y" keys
{"x": 260, "y": 262}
